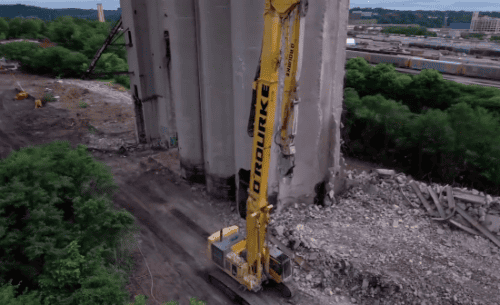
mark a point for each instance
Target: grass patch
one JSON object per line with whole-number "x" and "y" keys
{"x": 48, "y": 97}
{"x": 83, "y": 105}
{"x": 92, "y": 129}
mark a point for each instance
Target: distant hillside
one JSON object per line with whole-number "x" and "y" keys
{"x": 427, "y": 18}
{"x": 46, "y": 14}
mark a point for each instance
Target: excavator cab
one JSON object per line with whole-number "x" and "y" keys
{"x": 280, "y": 266}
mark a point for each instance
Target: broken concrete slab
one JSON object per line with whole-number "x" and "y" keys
{"x": 476, "y": 199}
{"x": 492, "y": 223}
{"x": 385, "y": 173}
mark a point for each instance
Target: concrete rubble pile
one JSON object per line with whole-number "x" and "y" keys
{"x": 469, "y": 210}
{"x": 8, "y": 65}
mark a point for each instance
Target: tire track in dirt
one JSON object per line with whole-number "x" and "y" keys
{"x": 173, "y": 253}
{"x": 10, "y": 140}
{"x": 177, "y": 214}
{"x": 205, "y": 223}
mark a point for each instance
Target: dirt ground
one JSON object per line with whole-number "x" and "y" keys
{"x": 175, "y": 217}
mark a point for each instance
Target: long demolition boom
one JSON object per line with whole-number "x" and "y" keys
{"x": 249, "y": 259}
{"x": 276, "y": 16}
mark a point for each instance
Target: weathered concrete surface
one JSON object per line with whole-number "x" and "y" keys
{"x": 320, "y": 91}
{"x": 181, "y": 24}
{"x": 219, "y": 45}
{"x": 217, "y": 107}
{"x": 247, "y": 26}
{"x": 161, "y": 65}
{"x": 134, "y": 17}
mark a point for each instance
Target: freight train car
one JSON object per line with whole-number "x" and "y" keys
{"x": 416, "y": 63}
{"x": 374, "y": 58}
{"x": 449, "y": 67}
{"x": 482, "y": 71}
{"x": 354, "y": 54}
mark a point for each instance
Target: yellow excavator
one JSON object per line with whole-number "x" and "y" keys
{"x": 246, "y": 261}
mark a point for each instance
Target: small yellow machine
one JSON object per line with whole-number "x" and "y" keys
{"x": 21, "y": 95}
{"x": 248, "y": 259}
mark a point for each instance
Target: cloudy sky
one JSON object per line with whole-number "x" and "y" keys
{"x": 438, "y": 5}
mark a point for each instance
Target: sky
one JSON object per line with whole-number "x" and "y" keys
{"x": 413, "y": 5}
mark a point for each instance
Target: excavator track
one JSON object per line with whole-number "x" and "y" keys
{"x": 286, "y": 291}
{"x": 232, "y": 290}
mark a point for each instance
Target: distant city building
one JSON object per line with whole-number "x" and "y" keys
{"x": 460, "y": 25}
{"x": 484, "y": 24}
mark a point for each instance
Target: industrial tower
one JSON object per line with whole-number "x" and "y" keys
{"x": 100, "y": 12}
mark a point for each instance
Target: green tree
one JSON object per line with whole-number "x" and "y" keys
{"x": 8, "y": 292}
{"x": 424, "y": 88}
{"x": 93, "y": 44}
{"x": 51, "y": 196}
{"x": 111, "y": 62}
{"x": 62, "y": 30}
{"x": 4, "y": 27}
{"x": 76, "y": 279}
{"x": 74, "y": 64}
{"x": 477, "y": 133}
{"x": 434, "y": 136}
{"x": 18, "y": 50}
{"x": 356, "y": 79}
{"x": 375, "y": 77}
{"x": 15, "y": 27}
{"x": 30, "y": 29}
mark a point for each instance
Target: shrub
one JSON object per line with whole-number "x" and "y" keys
{"x": 75, "y": 63}
{"x": 7, "y": 296}
{"x": 18, "y": 50}
{"x": 53, "y": 200}
{"x": 123, "y": 80}
{"x": 76, "y": 279}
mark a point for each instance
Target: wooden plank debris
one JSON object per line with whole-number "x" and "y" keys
{"x": 451, "y": 195}
{"x": 436, "y": 202}
{"x": 466, "y": 229}
{"x": 451, "y": 200}
{"x": 478, "y": 226}
{"x": 469, "y": 197}
{"x": 414, "y": 185}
